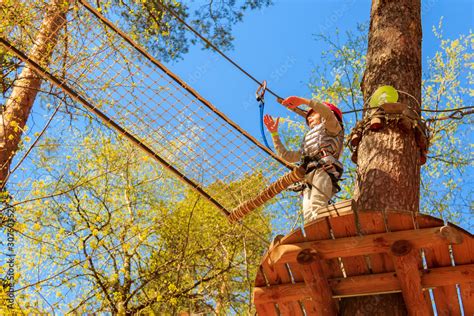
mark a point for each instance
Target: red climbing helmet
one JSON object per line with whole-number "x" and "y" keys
{"x": 334, "y": 109}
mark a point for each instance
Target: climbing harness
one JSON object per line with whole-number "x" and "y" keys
{"x": 309, "y": 164}
{"x": 260, "y": 96}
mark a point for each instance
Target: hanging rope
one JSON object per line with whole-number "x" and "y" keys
{"x": 260, "y": 96}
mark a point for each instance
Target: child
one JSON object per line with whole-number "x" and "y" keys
{"x": 320, "y": 151}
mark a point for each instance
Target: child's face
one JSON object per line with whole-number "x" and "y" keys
{"x": 314, "y": 119}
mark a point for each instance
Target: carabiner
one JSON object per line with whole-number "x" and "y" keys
{"x": 260, "y": 94}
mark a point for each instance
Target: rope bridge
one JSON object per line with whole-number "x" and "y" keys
{"x": 103, "y": 69}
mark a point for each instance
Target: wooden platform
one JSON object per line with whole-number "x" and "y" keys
{"x": 344, "y": 254}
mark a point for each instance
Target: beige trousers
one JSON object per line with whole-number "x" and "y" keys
{"x": 318, "y": 195}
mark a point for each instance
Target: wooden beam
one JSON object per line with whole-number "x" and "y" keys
{"x": 464, "y": 254}
{"x": 367, "y": 284}
{"x": 316, "y": 283}
{"x": 264, "y": 274}
{"x": 338, "y": 209}
{"x": 368, "y": 244}
{"x": 405, "y": 258}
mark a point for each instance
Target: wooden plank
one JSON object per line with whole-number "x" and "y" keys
{"x": 292, "y": 307}
{"x": 388, "y": 282}
{"x": 337, "y": 209}
{"x": 436, "y": 277}
{"x": 296, "y": 237}
{"x": 344, "y": 226}
{"x": 464, "y": 254}
{"x": 262, "y": 308}
{"x": 397, "y": 221}
{"x": 267, "y": 277}
{"x": 365, "y": 245}
{"x": 382, "y": 262}
{"x": 320, "y": 230}
{"x": 373, "y": 223}
{"x": 316, "y": 282}
{"x": 405, "y": 258}
{"x": 446, "y": 298}
{"x": 425, "y": 220}
{"x": 467, "y": 296}
{"x": 278, "y": 274}
{"x": 400, "y": 220}
{"x": 287, "y": 307}
{"x": 282, "y": 292}
{"x": 369, "y": 284}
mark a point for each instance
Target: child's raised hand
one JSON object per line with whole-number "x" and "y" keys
{"x": 271, "y": 125}
{"x": 293, "y": 102}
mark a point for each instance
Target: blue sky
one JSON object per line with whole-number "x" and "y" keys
{"x": 278, "y": 44}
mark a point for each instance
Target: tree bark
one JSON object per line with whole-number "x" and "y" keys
{"x": 388, "y": 168}
{"x": 388, "y": 159}
{"x": 18, "y": 106}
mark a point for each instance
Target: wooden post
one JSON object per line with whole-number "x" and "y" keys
{"x": 316, "y": 282}
{"x": 405, "y": 259}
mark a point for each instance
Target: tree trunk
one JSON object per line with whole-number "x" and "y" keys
{"x": 388, "y": 169}
{"x": 18, "y": 106}
{"x": 388, "y": 159}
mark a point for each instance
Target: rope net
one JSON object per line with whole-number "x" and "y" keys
{"x": 101, "y": 66}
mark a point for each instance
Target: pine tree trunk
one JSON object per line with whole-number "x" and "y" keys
{"x": 388, "y": 159}
{"x": 388, "y": 169}
{"x": 18, "y": 106}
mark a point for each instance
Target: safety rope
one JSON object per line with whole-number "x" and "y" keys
{"x": 262, "y": 130}
{"x": 260, "y": 97}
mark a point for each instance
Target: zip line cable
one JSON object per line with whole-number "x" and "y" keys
{"x": 165, "y": 7}
{"x": 450, "y": 110}
{"x": 216, "y": 49}
{"x": 456, "y": 115}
